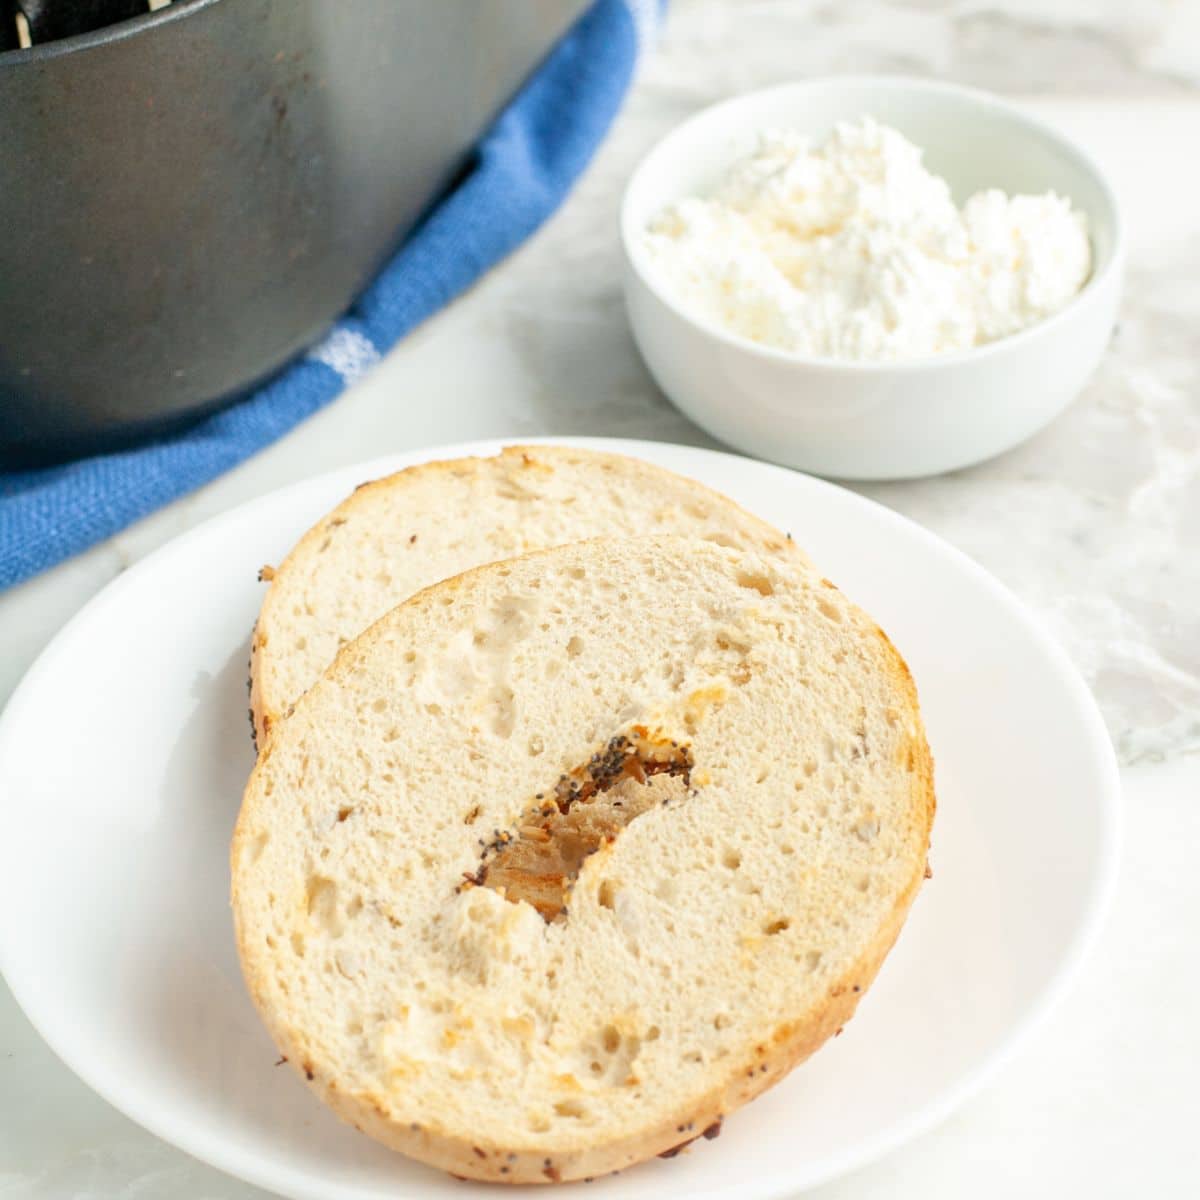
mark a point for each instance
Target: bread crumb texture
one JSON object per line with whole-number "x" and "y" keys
{"x": 569, "y": 856}
{"x": 400, "y": 534}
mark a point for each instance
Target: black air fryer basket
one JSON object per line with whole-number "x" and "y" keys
{"x": 189, "y": 196}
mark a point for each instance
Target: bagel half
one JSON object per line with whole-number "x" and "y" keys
{"x": 566, "y": 858}
{"x": 400, "y": 534}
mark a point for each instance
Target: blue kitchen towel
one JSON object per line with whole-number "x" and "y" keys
{"x": 521, "y": 170}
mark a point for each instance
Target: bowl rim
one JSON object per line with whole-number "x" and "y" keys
{"x": 1063, "y": 145}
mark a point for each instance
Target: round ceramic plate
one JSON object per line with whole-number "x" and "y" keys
{"x": 123, "y": 755}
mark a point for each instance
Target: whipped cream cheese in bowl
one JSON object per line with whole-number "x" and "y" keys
{"x": 868, "y": 277}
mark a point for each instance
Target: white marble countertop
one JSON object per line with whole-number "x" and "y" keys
{"x": 1095, "y": 523}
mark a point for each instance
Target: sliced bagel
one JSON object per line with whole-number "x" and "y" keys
{"x": 395, "y": 536}
{"x": 567, "y": 857}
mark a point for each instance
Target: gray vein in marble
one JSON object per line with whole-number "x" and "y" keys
{"x": 714, "y": 47}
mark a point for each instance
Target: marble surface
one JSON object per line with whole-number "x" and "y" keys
{"x": 1095, "y": 523}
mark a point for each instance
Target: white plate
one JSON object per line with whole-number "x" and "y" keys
{"x": 123, "y": 754}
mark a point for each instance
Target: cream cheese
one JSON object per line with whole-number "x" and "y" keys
{"x": 852, "y": 249}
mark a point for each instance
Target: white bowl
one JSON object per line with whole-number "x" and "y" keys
{"x": 874, "y": 420}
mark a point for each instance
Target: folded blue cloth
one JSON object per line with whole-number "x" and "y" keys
{"x": 522, "y": 169}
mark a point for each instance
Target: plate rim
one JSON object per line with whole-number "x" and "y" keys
{"x": 283, "y": 1180}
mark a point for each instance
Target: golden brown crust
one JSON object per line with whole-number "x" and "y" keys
{"x": 770, "y": 1061}
{"x": 265, "y": 709}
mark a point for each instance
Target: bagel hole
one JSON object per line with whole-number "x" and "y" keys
{"x": 539, "y": 859}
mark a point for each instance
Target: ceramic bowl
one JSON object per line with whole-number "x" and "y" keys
{"x": 858, "y": 420}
